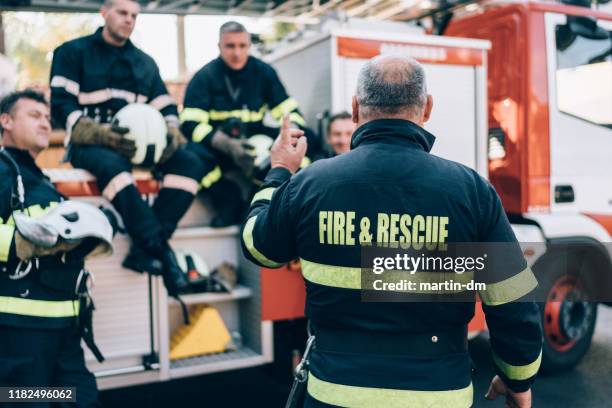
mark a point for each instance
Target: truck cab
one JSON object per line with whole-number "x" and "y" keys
{"x": 549, "y": 143}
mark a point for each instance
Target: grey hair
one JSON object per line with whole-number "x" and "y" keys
{"x": 232, "y": 27}
{"x": 390, "y": 84}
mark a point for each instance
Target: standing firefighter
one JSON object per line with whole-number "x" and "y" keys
{"x": 227, "y": 101}
{"x": 92, "y": 78}
{"x": 390, "y": 354}
{"x": 45, "y": 308}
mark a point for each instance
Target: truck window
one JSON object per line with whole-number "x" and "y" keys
{"x": 584, "y": 73}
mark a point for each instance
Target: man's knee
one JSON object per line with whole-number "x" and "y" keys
{"x": 102, "y": 162}
{"x": 186, "y": 163}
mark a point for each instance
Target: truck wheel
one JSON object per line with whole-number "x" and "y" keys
{"x": 568, "y": 319}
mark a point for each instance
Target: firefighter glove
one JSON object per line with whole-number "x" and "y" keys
{"x": 88, "y": 132}
{"x": 175, "y": 140}
{"x": 240, "y": 150}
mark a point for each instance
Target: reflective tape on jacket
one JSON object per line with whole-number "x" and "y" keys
{"x": 201, "y": 131}
{"x": 247, "y": 237}
{"x": 265, "y": 194}
{"x": 194, "y": 115}
{"x": 509, "y": 289}
{"x": 518, "y": 372}
{"x": 353, "y": 396}
{"x": 284, "y": 108}
{"x": 352, "y": 278}
{"x": 211, "y": 177}
{"x": 6, "y": 239}
{"x": 244, "y": 115}
{"x": 39, "y": 308}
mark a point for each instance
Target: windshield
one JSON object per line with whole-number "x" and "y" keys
{"x": 584, "y": 71}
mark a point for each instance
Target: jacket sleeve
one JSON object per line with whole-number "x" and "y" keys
{"x": 268, "y": 237}
{"x": 195, "y": 117}
{"x": 162, "y": 101}
{"x": 279, "y": 101}
{"x": 65, "y": 87}
{"x": 513, "y": 319}
{"x": 7, "y": 231}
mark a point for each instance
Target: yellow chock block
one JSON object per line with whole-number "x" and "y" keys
{"x": 206, "y": 334}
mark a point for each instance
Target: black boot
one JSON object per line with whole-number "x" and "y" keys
{"x": 175, "y": 279}
{"x": 140, "y": 261}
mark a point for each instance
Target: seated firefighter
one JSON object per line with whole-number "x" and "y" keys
{"x": 45, "y": 305}
{"x": 232, "y": 111}
{"x": 94, "y": 77}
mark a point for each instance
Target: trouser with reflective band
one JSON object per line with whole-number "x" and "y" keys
{"x": 181, "y": 174}
{"x": 46, "y": 358}
{"x": 370, "y": 369}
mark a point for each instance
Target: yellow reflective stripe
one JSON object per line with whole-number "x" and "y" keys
{"x": 265, "y": 194}
{"x": 34, "y": 211}
{"x": 510, "y": 289}
{"x": 247, "y": 237}
{"x": 284, "y": 108}
{"x": 194, "y": 115}
{"x": 353, "y": 396}
{"x": 329, "y": 275}
{"x": 351, "y": 278}
{"x": 297, "y": 118}
{"x": 201, "y": 131}
{"x": 305, "y": 162}
{"x": 211, "y": 177}
{"x": 6, "y": 238}
{"x": 244, "y": 115}
{"x": 518, "y": 373}
{"x": 39, "y": 308}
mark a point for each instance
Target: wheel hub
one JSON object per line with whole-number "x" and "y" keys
{"x": 566, "y": 314}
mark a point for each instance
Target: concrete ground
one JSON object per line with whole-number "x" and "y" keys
{"x": 589, "y": 385}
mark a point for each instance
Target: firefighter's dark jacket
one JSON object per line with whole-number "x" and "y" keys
{"x": 389, "y": 170}
{"x": 28, "y": 302}
{"x": 91, "y": 77}
{"x": 217, "y": 93}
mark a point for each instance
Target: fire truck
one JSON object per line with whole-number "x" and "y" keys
{"x": 548, "y": 135}
{"x": 522, "y": 100}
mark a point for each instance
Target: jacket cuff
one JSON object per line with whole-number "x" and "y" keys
{"x": 276, "y": 177}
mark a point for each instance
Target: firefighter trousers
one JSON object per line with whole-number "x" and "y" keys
{"x": 181, "y": 173}
{"x": 46, "y": 358}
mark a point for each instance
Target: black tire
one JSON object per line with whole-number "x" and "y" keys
{"x": 558, "y": 357}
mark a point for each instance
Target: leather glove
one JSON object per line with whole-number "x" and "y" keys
{"x": 88, "y": 132}
{"x": 27, "y": 250}
{"x": 175, "y": 140}
{"x": 240, "y": 150}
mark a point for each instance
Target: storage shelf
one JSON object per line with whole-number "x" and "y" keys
{"x": 241, "y": 358}
{"x": 239, "y": 292}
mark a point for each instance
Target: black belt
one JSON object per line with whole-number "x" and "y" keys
{"x": 432, "y": 344}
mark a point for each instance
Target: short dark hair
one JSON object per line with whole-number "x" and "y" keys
{"x": 232, "y": 27}
{"x": 337, "y": 116}
{"x": 9, "y": 101}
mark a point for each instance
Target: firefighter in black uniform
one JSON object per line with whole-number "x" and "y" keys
{"x": 408, "y": 354}
{"x": 40, "y": 344}
{"x": 91, "y": 79}
{"x": 234, "y": 95}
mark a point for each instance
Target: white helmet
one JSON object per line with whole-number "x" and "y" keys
{"x": 262, "y": 144}
{"x": 192, "y": 264}
{"x": 148, "y": 130}
{"x": 71, "y": 221}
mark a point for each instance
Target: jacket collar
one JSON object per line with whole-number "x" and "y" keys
{"x": 395, "y": 131}
{"x": 98, "y": 38}
{"x": 23, "y": 158}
